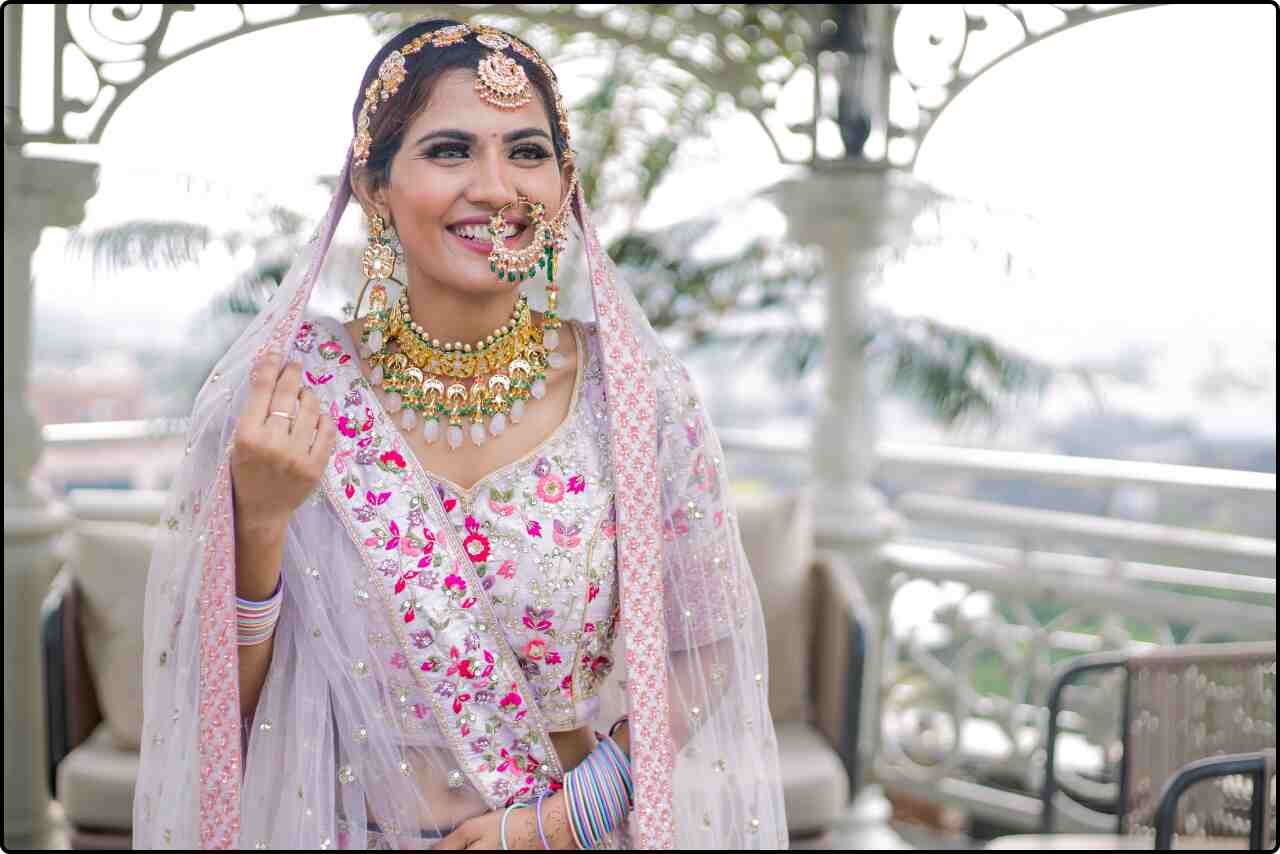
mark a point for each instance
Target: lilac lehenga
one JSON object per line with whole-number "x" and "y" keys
{"x": 431, "y": 637}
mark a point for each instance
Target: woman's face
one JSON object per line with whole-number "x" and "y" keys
{"x": 461, "y": 159}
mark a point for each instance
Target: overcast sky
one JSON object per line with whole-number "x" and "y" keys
{"x": 1147, "y": 140}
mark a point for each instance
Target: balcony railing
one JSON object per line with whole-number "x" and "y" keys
{"x": 986, "y": 599}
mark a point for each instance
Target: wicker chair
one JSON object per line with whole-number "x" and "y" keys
{"x": 1181, "y": 706}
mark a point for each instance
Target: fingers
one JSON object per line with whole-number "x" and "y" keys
{"x": 284, "y": 398}
{"x": 262, "y": 383}
{"x": 323, "y": 434}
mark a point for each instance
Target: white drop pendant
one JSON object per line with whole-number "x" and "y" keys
{"x": 517, "y": 411}
{"x": 555, "y": 360}
{"x": 551, "y": 339}
{"x": 538, "y": 389}
{"x": 409, "y": 420}
{"x": 393, "y": 401}
{"x": 477, "y": 433}
{"x": 455, "y": 437}
{"x": 376, "y": 375}
{"x": 431, "y": 430}
{"x": 375, "y": 340}
{"x": 498, "y": 424}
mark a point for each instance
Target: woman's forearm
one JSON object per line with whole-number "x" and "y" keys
{"x": 259, "y": 555}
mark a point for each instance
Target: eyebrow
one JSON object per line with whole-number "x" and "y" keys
{"x": 453, "y": 133}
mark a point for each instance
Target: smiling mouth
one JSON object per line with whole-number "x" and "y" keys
{"x": 475, "y": 240}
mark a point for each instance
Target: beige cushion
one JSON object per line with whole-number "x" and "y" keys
{"x": 815, "y": 787}
{"x": 777, "y": 534}
{"x": 95, "y": 783}
{"x": 111, "y": 563}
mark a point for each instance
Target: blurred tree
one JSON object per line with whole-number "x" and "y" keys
{"x": 632, "y": 127}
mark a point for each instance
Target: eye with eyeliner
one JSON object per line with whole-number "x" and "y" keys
{"x": 435, "y": 151}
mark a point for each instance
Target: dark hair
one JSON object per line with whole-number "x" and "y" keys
{"x": 423, "y": 69}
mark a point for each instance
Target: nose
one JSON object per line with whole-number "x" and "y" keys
{"x": 491, "y": 187}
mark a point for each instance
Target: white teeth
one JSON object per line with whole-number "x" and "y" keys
{"x": 481, "y": 232}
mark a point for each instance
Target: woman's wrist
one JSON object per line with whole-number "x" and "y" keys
{"x": 259, "y": 556}
{"x": 555, "y": 816}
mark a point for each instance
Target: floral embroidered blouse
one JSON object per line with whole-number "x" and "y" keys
{"x": 540, "y": 533}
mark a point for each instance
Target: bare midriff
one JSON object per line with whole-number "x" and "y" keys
{"x": 450, "y": 807}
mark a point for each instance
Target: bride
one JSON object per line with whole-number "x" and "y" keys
{"x": 405, "y": 553}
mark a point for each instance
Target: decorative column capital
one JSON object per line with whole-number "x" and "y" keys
{"x": 46, "y": 192}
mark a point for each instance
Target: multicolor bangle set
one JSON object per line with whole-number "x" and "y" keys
{"x": 255, "y": 621}
{"x": 598, "y": 793}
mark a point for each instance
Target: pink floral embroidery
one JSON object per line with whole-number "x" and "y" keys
{"x": 551, "y": 489}
{"x": 330, "y": 349}
{"x": 535, "y": 649}
{"x": 398, "y": 660}
{"x": 508, "y": 569}
{"x": 577, "y": 483}
{"x": 391, "y": 458}
{"x": 553, "y": 657}
{"x": 347, "y": 427}
{"x": 457, "y": 582}
{"x": 567, "y": 536}
{"x": 535, "y": 530}
{"x": 476, "y": 544}
{"x": 318, "y": 380}
{"x": 538, "y": 619}
{"x": 477, "y": 548}
{"x": 500, "y": 502}
{"x": 511, "y": 698}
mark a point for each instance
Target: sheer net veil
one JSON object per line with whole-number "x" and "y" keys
{"x": 323, "y": 755}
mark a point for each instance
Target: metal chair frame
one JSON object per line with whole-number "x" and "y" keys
{"x": 1257, "y": 765}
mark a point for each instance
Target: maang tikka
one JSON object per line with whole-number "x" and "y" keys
{"x": 505, "y": 368}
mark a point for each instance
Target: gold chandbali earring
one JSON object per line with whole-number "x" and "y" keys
{"x": 379, "y": 266}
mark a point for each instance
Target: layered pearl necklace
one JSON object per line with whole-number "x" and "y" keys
{"x": 424, "y": 378}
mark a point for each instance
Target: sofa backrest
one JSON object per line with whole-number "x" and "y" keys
{"x": 114, "y": 533}
{"x": 777, "y": 536}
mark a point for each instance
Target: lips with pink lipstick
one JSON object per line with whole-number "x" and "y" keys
{"x": 473, "y": 233}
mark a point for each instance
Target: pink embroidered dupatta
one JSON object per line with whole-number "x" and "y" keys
{"x": 326, "y": 751}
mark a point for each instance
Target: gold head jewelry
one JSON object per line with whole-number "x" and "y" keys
{"x": 500, "y": 79}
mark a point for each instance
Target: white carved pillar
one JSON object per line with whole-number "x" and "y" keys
{"x": 37, "y": 193}
{"x": 853, "y": 212}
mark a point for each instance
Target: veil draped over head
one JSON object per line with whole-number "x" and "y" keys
{"x": 330, "y": 746}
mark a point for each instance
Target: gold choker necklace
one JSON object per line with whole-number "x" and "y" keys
{"x": 424, "y": 377}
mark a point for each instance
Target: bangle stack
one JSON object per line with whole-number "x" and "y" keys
{"x": 255, "y": 621}
{"x": 598, "y": 793}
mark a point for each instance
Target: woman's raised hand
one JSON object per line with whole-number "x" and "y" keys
{"x": 283, "y": 441}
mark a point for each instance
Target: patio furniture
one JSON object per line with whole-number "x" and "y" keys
{"x": 1259, "y": 766}
{"x": 92, "y": 630}
{"x": 1181, "y": 707}
{"x": 814, "y": 614}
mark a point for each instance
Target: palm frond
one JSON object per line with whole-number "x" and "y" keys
{"x": 149, "y": 243}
